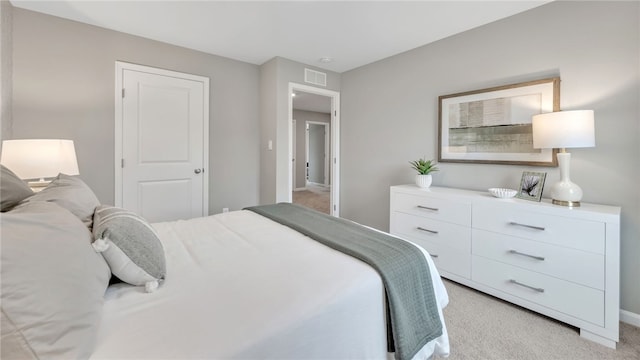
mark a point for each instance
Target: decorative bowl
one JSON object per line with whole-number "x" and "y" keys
{"x": 502, "y": 193}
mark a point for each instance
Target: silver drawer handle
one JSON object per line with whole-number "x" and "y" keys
{"x": 434, "y": 255}
{"x": 427, "y": 208}
{"x": 541, "y": 290}
{"x": 541, "y": 258}
{"x": 527, "y": 226}
{"x": 427, "y": 230}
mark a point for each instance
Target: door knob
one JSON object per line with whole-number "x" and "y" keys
{"x": 197, "y": 171}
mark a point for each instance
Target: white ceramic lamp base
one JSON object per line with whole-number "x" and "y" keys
{"x": 565, "y": 192}
{"x": 37, "y": 186}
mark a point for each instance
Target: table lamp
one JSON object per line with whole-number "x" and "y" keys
{"x": 39, "y": 159}
{"x": 560, "y": 130}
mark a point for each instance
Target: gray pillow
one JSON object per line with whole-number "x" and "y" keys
{"x": 72, "y": 194}
{"x": 12, "y": 189}
{"x": 53, "y": 284}
{"x": 130, "y": 246}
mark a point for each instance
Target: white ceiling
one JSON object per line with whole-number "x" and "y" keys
{"x": 352, "y": 33}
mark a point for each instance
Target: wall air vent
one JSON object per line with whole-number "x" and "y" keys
{"x": 315, "y": 77}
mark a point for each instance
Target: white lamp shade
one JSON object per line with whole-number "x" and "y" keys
{"x": 39, "y": 158}
{"x": 564, "y": 129}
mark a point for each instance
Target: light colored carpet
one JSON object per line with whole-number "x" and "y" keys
{"x": 317, "y": 200}
{"x": 483, "y": 327}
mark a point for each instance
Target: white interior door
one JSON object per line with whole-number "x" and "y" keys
{"x": 164, "y": 143}
{"x": 317, "y": 146}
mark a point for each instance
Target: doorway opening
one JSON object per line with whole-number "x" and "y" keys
{"x": 314, "y": 148}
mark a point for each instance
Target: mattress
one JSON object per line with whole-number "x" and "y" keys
{"x": 241, "y": 286}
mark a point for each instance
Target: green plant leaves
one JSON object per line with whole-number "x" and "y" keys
{"x": 424, "y": 167}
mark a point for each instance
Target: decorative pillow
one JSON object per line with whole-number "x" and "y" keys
{"x": 72, "y": 194}
{"x": 130, "y": 245}
{"x": 53, "y": 284}
{"x": 12, "y": 189}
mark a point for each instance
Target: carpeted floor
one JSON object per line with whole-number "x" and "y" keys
{"x": 483, "y": 327}
{"x": 315, "y": 199}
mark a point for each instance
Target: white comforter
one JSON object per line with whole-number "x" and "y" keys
{"x": 241, "y": 286}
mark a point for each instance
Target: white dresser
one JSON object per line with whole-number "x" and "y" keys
{"x": 561, "y": 262}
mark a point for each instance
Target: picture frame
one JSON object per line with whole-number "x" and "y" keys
{"x": 531, "y": 185}
{"x": 493, "y": 125}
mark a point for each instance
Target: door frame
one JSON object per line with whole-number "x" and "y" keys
{"x": 327, "y": 159}
{"x": 335, "y": 141}
{"x": 120, "y": 67}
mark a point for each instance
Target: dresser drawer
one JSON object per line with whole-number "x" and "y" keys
{"x": 572, "y": 299}
{"x": 569, "y": 232}
{"x": 432, "y": 207}
{"x": 577, "y": 266}
{"x": 438, "y": 232}
{"x": 448, "y": 259}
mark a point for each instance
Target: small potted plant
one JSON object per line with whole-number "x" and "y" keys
{"x": 424, "y": 169}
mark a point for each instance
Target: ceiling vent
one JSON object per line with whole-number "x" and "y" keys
{"x": 315, "y": 77}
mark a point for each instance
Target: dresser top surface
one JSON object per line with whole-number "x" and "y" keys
{"x": 545, "y": 205}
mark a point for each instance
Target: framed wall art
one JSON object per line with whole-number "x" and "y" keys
{"x": 531, "y": 185}
{"x": 493, "y": 126}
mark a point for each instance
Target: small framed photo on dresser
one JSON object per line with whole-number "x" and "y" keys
{"x": 531, "y": 185}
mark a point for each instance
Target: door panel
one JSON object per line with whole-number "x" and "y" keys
{"x": 153, "y": 197}
{"x": 163, "y": 144}
{"x": 164, "y": 124}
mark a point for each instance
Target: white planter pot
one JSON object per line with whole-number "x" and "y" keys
{"x": 423, "y": 181}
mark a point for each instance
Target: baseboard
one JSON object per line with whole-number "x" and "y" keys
{"x": 630, "y": 318}
{"x": 300, "y": 189}
{"x": 316, "y": 184}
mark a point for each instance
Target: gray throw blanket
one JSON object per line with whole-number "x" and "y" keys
{"x": 412, "y": 305}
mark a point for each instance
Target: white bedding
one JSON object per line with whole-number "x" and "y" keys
{"x": 241, "y": 286}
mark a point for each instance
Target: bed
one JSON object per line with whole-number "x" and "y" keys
{"x": 238, "y": 286}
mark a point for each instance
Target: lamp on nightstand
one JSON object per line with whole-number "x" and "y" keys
{"x": 564, "y": 129}
{"x": 39, "y": 159}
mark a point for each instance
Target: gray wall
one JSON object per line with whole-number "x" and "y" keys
{"x": 301, "y": 116}
{"x": 6, "y": 76}
{"x": 390, "y": 110}
{"x": 275, "y": 76}
{"x": 268, "y": 128}
{"x": 63, "y": 86}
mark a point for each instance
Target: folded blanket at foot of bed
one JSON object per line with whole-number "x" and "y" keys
{"x": 412, "y": 305}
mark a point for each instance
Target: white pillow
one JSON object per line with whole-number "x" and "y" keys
{"x": 72, "y": 194}
{"x": 130, "y": 245}
{"x": 53, "y": 284}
